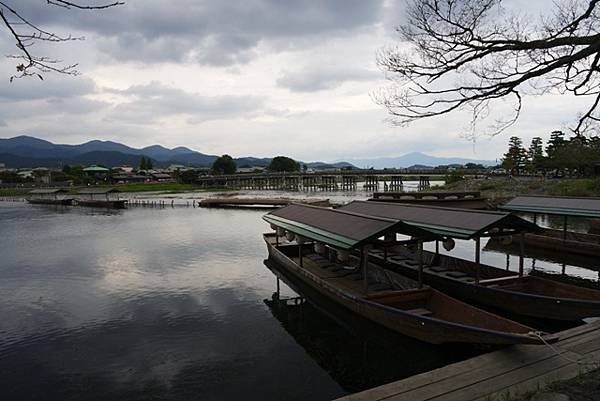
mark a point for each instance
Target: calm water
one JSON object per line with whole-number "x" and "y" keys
{"x": 175, "y": 304}
{"x": 169, "y": 304}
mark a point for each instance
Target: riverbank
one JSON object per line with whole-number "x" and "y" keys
{"x": 498, "y": 189}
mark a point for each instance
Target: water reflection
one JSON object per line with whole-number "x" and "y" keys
{"x": 143, "y": 304}
{"x": 357, "y": 353}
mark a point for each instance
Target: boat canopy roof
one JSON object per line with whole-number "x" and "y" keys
{"x": 341, "y": 229}
{"x": 557, "y": 205}
{"x": 48, "y": 191}
{"x": 98, "y": 191}
{"x": 444, "y": 221}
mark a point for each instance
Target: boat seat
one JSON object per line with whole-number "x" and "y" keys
{"x": 420, "y": 311}
{"x": 379, "y": 287}
{"x": 438, "y": 269}
{"x": 456, "y": 274}
{"x": 412, "y": 262}
{"x": 354, "y": 276}
{"x": 397, "y": 258}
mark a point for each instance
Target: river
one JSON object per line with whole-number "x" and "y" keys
{"x": 169, "y": 304}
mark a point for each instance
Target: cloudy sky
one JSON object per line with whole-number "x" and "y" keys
{"x": 253, "y": 77}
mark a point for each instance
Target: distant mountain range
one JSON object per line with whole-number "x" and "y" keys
{"x": 27, "y": 151}
{"x": 415, "y": 159}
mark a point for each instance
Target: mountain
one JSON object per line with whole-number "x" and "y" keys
{"x": 27, "y": 151}
{"x": 414, "y": 158}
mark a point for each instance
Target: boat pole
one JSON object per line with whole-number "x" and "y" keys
{"x": 478, "y": 258}
{"x": 564, "y": 228}
{"x": 521, "y": 253}
{"x": 364, "y": 261}
{"x": 420, "y": 247}
{"x": 300, "y": 253}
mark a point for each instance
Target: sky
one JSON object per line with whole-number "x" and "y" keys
{"x": 247, "y": 78}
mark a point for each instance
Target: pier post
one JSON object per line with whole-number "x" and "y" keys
{"x": 478, "y": 258}
{"x": 420, "y": 250}
{"x": 521, "y": 253}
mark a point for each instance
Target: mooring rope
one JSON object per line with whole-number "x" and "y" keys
{"x": 538, "y": 334}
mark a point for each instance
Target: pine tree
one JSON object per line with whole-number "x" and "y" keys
{"x": 515, "y": 159}
{"x": 535, "y": 154}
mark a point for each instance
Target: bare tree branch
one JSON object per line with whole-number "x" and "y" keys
{"x": 470, "y": 54}
{"x": 27, "y": 34}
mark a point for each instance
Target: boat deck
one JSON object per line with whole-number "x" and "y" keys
{"x": 499, "y": 375}
{"x": 343, "y": 277}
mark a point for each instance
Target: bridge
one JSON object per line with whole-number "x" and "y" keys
{"x": 312, "y": 182}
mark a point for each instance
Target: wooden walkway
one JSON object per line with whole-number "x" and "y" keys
{"x": 498, "y": 375}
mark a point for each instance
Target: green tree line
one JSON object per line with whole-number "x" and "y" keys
{"x": 578, "y": 155}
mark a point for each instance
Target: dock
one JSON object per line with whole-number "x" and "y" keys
{"x": 499, "y": 375}
{"x": 259, "y": 203}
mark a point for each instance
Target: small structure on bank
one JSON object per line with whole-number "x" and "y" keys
{"x": 50, "y": 196}
{"x": 101, "y": 197}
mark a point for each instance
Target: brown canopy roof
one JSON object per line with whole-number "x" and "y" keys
{"x": 98, "y": 191}
{"x": 48, "y": 191}
{"x": 452, "y": 222}
{"x": 334, "y": 227}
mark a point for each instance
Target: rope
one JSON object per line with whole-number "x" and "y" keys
{"x": 561, "y": 354}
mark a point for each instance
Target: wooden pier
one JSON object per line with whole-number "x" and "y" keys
{"x": 499, "y": 375}
{"x": 246, "y": 203}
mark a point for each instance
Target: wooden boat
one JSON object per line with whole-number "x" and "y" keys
{"x": 90, "y": 198}
{"x": 561, "y": 241}
{"x": 500, "y": 289}
{"x": 594, "y": 226}
{"x": 257, "y": 203}
{"x": 49, "y": 196}
{"x": 544, "y": 254}
{"x": 464, "y": 200}
{"x": 101, "y": 203}
{"x": 422, "y": 313}
{"x": 564, "y": 206}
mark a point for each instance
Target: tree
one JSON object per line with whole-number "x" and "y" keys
{"x": 535, "y": 154}
{"x": 283, "y": 163}
{"x": 27, "y": 33}
{"x": 143, "y": 163}
{"x": 516, "y": 157}
{"x": 224, "y": 165}
{"x": 471, "y": 54}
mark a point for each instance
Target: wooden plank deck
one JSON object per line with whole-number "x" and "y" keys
{"x": 498, "y": 375}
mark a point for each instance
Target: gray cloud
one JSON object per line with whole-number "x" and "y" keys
{"x": 311, "y": 79}
{"x": 209, "y": 32}
{"x": 53, "y": 87}
{"x": 154, "y": 101}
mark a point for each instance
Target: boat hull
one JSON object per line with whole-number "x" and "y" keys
{"x": 576, "y": 243}
{"x": 62, "y": 202}
{"x": 107, "y": 204}
{"x": 423, "y": 328}
{"x": 528, "y": 295}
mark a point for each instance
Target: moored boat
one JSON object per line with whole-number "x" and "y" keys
{"x": 565, "y": 207}
{"x": 465, "y": 200}
{"x": 386, "y": 298}
{"x": 101, "y": 198}
{"x": 472, "y": 281}
{"x": 50, "y": 196}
